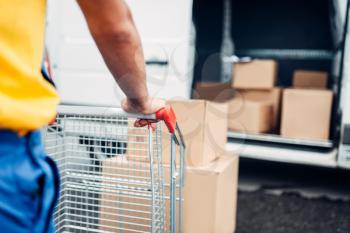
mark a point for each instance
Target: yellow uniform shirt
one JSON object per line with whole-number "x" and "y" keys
{"x": 27, "y": 101}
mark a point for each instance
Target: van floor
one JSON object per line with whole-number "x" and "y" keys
{"x": 279, "y": 198}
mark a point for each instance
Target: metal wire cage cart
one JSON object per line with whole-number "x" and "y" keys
{"x": 114, "y": 176}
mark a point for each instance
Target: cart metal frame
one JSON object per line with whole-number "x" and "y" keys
{"x": 104, "y": 190}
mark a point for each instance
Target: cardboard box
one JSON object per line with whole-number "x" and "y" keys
{"x": 210, "y": 197}
{"x": 306, "y": 114}
{"x": 130, "y": 210}
{"x": 137, "y": 143}
{"x": 272, "y": 97}
{"x": 258, "y": 74}
{"x": 310, "y": 79}
{"x": 217, "y": 92}
{"x": 120, "y": 211}
{"x": 252, "y": 116}
{"x": 204, "y": 127}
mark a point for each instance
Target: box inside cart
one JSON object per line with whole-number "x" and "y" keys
{"x": 120, "y": 211}
{"x": 210, "y": 196}
{"x": 135, "y": 211}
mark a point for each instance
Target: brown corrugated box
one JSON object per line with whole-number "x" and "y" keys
{"x": 213, "y": 91}
{"x": 130, "y": 213}
{"x": 310, "y": 79}
{"x": 272, "y": 97}
{"x": 204, "y": 127}
{"x": 210, "y": 197}
{"x": 306, "y": 113}
{"x": 120, "y": 211}
{"x": 257, "y": 74}
{"x": 252, "y": 116}
{"x": 137, "y": 144}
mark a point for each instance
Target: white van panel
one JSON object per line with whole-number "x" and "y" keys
{"x": 168, "y": 44}
{"x": 158, "y": 19}
{"x": 80, "y": 88}
{"x": 75, "y": 54}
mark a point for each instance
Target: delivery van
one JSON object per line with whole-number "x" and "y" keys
{"x": 311, "y": 35}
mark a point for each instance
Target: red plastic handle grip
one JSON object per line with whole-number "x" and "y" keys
{"x": 167, "y": 115}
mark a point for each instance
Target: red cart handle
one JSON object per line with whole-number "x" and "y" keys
{"x": 167, "y": 115}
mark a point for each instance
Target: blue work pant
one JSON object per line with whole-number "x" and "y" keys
{"x": 29, "y": 184}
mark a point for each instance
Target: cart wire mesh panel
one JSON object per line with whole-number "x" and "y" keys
{"x": 113, "y": 177}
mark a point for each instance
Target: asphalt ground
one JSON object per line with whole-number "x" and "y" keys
{"x": 280, "y": 198}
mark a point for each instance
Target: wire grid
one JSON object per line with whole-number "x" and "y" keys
{"x": 112, "y": 178}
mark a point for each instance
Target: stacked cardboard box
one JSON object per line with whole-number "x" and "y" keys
{"x": 216, "y": 92}
{"x": 271, "y": 98}
{"x": 204, "y": 128}
{"x": 260, "y": 99}
{"x": 306, "y": 111}
{"x": 210, "y": 196}
{"x": 255, "y": 75}
{"x": 310, "y": 79}
{"x": 250, "y": 115}
{"x": 253, "y": 99}
{"x": 210, "y": 190}
{"x": 255, "y": 102}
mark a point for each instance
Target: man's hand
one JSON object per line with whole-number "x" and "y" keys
{"x": 149, "y": 106}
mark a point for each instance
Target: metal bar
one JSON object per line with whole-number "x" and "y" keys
{"x": 100, "y": 111}
{"x": 150, "y": 151}
{"x": 291, "y": 54}
{"x": 182, "y": 140}
{"x": 278, "y": 139}
{"x": 182, "y": 185}
{"x": 172, "y": 185}
{"x": 161, "y": 176}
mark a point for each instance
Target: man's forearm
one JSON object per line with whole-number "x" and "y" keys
{"x": 112, "y": 27}
{"x": 124, "y": 57}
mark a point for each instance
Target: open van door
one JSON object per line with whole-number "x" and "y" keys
{"x": 344, "y": 147}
